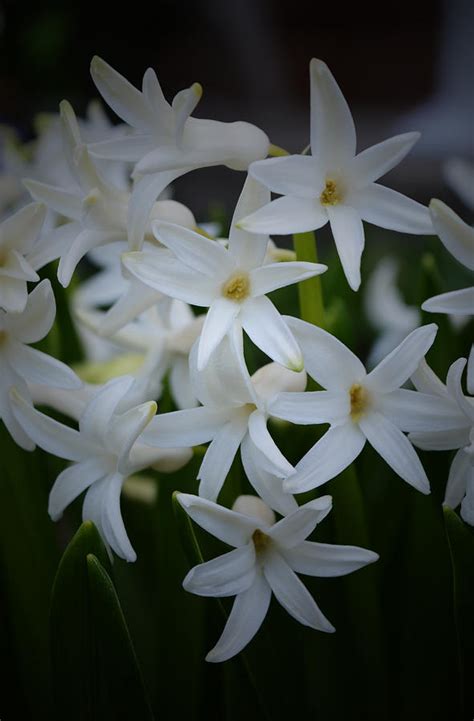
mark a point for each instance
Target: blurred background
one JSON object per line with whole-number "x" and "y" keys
{"x": 401, "y": 65}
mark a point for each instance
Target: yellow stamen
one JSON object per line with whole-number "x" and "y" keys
{"x": 359, "y": 401}
{"x": 237, "y": 288}
{"x": 331, "y": 194}
{"x": 260, "y": 540}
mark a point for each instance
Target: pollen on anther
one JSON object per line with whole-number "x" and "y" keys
{"x": 359, "y": 400}
{"x": 237, "y": 287}
{"x": 331, "y": 194}
{"x": 260, "y": 540}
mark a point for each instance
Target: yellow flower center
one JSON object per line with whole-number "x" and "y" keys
{"x": 359, "y": 401}
{"x": 260, "y": 540}
{"x": 331, "y": 194}
{"x": 237, "y": 287}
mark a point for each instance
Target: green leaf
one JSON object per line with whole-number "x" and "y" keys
{"x": 95, "y": 670}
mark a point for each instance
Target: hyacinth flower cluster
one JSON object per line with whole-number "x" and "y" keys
{"x": 175, "y": 308}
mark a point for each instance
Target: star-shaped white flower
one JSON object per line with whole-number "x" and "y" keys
{"x": 266, "y": 559}
{"x": 232, "y": 282}
{"x": 460, "y": 486}
{"x": 360, "y": 407}
{"x": 233, "y": 414}
{"x": 20, "y": 364}
{"x": 334, "y": 184}
{"x": 104, "y": 451}
{"x": 458, "y": 238}
{"x": 18, "y": 236}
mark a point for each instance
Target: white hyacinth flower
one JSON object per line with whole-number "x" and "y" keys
{"x": 458, "y": 238}
{"x": 98, "y": 210}
{"x": 232, "y": 282}
{"x": 233, "y": 414}
{"x": 18, "y": 238}
{"x": 105, "y": 450}
{"x": 266, "y": 559}
{"x": 360, "y": 407}
{"x": 20, "y": 364}
{"x": 460, "y": 486}
{"x": 334, "y": 184}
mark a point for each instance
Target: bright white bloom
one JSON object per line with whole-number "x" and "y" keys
{"x": 266, "y": 559}
{"x": 458, "y": 238}
{"x": 20, "y": 364}
{"x": 104, "y": 451}
{"x": 165, "y": 334}
{"x": 360, "y": 407}
{"x": 18, "y": 235}
{"x": 98, "y": 210}
{"x": 387, "y": 311}
{"x": 335, "y": 184}
{"x": 233, "y": 413}
{"x": 460, "y": 486}
{"x": 232, "y": 282}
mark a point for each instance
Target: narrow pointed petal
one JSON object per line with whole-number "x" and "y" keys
{"x": 246, "y": 617}
{"x": 153, "y": 93}
{"x": 219, "y": 457}
{"x": 122, "y": 96}
{"x": 402, "y": 362}
{"x": 20, "y": 230}
{"x": 426, "y": 381}
{"x": 144, "y": 194}
{"x": 268, "y": 486}
{"x": 456, "y": 235}
{"x": 374, "y": 162}
{"x": 183, "y": 105}
{"x": 55, "y": 244}
{"x": 327, "y": 458}
{"x": 389, "y": 209}
{"x": 293, "y": 595}
{"x": 416, "y": 412}
{"x": 278, "y": 275}
{"x": 441, "y": 440}
{"x": 13, "y": 294}
{"x": 180, "y": 384}
{"x": 231, "y": 527}
{"x": 297, "y": 175}
{"x": 125, "y": 429}
{"x": 292, "y": 530}
{"x": 38, "y": 316}
{"x": 185, "y": 428}
{"x": 467, "y": 505}
{"x": 62, "y": 201}
{"x": 470, "y": 372}
{"x": 327, "y": 560}
{"x": 260, "y": 436}
{"x": 38, "y": 367}
{"x": 16, "y": 267}
{"x": 348, "y": 233}
{"x": 248, "y": 249}
{"x": 219, "y": 319}
{"x": 98, "y": 413}
{"x": 273, "y": 378}
{"x": 267, "y": 329}
{"x": 288, "y": 214}
{"x": 326, "y": 359}
{"x": 395, "y": 449}
{"x": 456, "y": 302}
{"x": 333, "y": 136}
{"x": 459, "y": 474}
{"x": 73, "y": 481}
{"x": 128, "y": 149}
{"x": 14, "y": 385}
{"x": 226, "y": 575}
{"x": 311, "y": 407}
{"x": 112, "y": 521}
{"x": 197, "y": 252}
{"x": 137, "y": 298}
{"x": 453, "y": 384}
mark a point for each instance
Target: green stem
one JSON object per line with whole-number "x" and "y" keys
{"x": 310, "y": 291}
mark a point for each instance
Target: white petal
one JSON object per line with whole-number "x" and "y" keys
{"x": 456, "y": 235}
{"x": 154, "y": 94}
{"x": 11, "y": 383}
{"x": 311, "y": 407}
{"x": 227, "y": 575}
{"x": 37, "y": 319}
{"x": 426, "y": 381}
{"x": 136, "y": 299}
{"x": 293, "y": 595}
{"x": 395, "y": 449}
{"x": 377, "y": 160}
{"x": 144, "y": 195}
{"x": 38, "y": 367}
{"x": 246, "y": 617}
{"x": 231, "y": 527}
{"x": 297, "y": 175}
{"x": 328, "y": 560}
{"x": 183, "y": 105}
{"x": 125, "y": 429}
{"x": 219, "y": 319}
{"x": 327, "y": 458}
{"x": 15, "y": 266}
{"x": 441, "y": 440}
{"x": 333, "y": 137}
{"x": 470, "y": 372}
{"x": 326, "y": 359}
{"x": 180, "y": 384}
{"x": 457, "y": 302}
{"x": 123, "y": 98}
{"x": 278, "y": 275}
{"x": 219, "y": 457}
{"x": 13, "y": 294}
{"x": 416, "y": 412}
{"x": 53, "y": 244}
{"x": 459, "y": 474}
{"x": 267, "y": 329}
{"x": 62, "y": 201}
{"x": 292, "y": 530}
{"x": 97, "y": 415}
{"x": 402, "y": 362}
{"x": 388, "y": 209}
{"x": 260, "y": 436}
{"x": 268, "y": 486}
{"x": 453, "y": 384}
{"x": 185, "y": 428}
{"x": 129, "y": 148}
{"x": 272, "y": 378}
{"x": 81, "y": 245}
{"x": 167, "y": 460}
{"x": 20, "y": 230}
{"x": 467, "y": 505}
{"x": 248, "y": 249}
{"x": 288, "y": 214}
{"x": 348, "y": 233}
{"x": 199, "y": 253}
{"x": 72, "y": 482}
{"x": 112, "y": 522}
